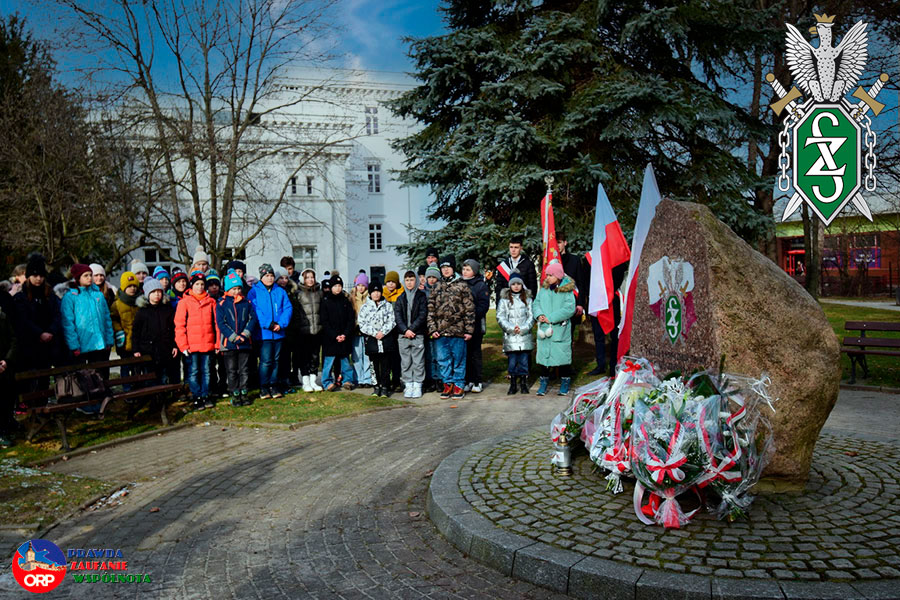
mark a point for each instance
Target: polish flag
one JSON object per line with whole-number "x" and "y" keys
{"x": 551, "y": 248}
{"x": 650, "y": 198}
{"x": 610, "y": 249}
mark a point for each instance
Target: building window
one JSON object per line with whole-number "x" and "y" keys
{"x": 371, "y": 120}
{"x": 154, "y": 258}
{"x": 293, "y": 185}
{"x": 374, "y": 178}
{"x": 305, "y": 257}
{"x": 309, "y": 186}
{"x": 375, "y": 236}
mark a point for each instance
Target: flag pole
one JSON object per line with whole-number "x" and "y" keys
{"x": 546, "y": 231}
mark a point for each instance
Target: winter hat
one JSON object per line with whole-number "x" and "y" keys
{"x": 197, "y": 276}
{"x": 555, "y": 269}
{"x": 232, "y": 280}
{"x": 200, "y": 255}
{"x": 151, "y": 284}
{"x": 98, "y": 269}
{"x": 515, "y": 278}
{"x": 448, "y": 260}
{"x": 281, "y": 272}
{"x": 128, "y": 278}
{"x": 178, "y": 275}
{"x": 335, "y": 280}
{"x": 409, "y": 274}
{"x": 421, "y": 270}
{"x": 326, "y": 285}
{"x": 160, "y": 273}
{"x": 213, "y": 275}
{"x": 392, "y": 276}
{"x": 431, "y": 252}
{"x": 375, "y": 287}
{"x": 265, "y": 269}
{"x": 36, "y": 266}
{"x": 305, "y": 271}
{"x": 236, "y": 264}
{"x": 433, "y": 271}
{"x": 139, "y": 267}
{"x": 474, "y": 264}
{"x": 78, "y": 270}
{"x": 361, "y": 279}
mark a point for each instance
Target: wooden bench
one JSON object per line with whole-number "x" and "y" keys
{"x": 857, "y": 348}
{"x": 40, "y": 412}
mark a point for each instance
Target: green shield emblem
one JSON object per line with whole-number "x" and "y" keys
{"x": 827, "y": 159}
{"x": 673, "y": 318}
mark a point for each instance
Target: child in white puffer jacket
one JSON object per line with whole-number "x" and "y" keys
{"x": 515, "y": 319}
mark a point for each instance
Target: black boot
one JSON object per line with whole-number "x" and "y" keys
{"x": 523, "y": 384}
{"x": 512, "y": 386}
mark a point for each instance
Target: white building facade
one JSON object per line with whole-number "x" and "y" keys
{"x": 345, "y": 209}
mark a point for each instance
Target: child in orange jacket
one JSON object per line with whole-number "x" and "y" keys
{"x": 195, "y": 334}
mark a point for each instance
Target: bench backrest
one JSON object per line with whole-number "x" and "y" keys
{"x": 106, "y": 364}
{"x": 871, "y": 326}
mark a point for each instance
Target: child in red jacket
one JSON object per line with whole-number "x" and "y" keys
{"x": 196, "y": 334}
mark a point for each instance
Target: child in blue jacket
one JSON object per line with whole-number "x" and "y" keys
{"x": 236, "y": 320}
{"x": 273, "y": 314}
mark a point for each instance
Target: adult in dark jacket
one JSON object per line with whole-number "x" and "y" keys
{"x": 153, "y": 332}
{"x": 606, "y": 361}
{"x": 292, "y": 351}
{"x": 37, "y": 320}
{"x": 572, "y": 267}
{"x": 309, "y": 294}
{"x": 411, "y": 315}
{"x": 481, "y": 295}
{"x": 516, "y": 261}
{"x": 338, "y": 326}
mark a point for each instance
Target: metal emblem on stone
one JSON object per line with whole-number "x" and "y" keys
{"x": 670, "y": 287}
{"x": 823, "y": 135}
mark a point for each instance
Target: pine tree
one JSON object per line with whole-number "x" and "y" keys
{"x": 586, "y": 91}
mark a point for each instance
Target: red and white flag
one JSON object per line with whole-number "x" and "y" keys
{"x": 610, "y": 249}
{"x": 551, "y": 248}
{"x": 650, "y": 198}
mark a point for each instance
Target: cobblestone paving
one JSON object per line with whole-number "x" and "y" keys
{"x": 845, "y": 527}
{"x": 335, "y": 510}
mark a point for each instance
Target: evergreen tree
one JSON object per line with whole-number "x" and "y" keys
{"x": 586, "y": 91}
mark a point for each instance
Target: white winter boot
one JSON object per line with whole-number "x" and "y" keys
{"x": 306, "y": 385}
{"x": 315, "y": 386}
{"x": 417, "y": 390}
{"x": 408, "y": 390}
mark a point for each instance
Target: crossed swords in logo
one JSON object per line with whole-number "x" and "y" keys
{"x": 788, "y": 100}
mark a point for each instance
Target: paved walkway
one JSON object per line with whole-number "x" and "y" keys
{"x": 864, "y": 303}
{"x": 335, "y": 510}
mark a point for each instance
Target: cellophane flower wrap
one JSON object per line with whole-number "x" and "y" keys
{"x": 611, "y": 424}
{"x": 737, "y": 442}
{"x": 666, "y": 458}
{"x": 575, "y": 420}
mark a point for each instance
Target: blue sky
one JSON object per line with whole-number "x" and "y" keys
{"x": 370, "y": 37}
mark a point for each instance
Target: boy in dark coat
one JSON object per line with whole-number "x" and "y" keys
{"x": 153, "y": 332}
{"x": 236, "y": 320}
{"x": 338, "y": 326}
{"x": 410, "y": 313}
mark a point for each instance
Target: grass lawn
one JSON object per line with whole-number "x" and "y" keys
{"x": 883, "y": 370}
{"x": 32, "y": 496}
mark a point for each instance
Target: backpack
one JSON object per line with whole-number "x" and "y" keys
{"x": 80, "y": 386}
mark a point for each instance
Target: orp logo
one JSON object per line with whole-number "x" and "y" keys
{"x": 39, "y": 566}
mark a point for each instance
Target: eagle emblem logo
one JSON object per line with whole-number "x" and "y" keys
{"x": 824, "y": 133}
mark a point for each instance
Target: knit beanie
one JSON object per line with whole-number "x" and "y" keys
{"x": 232, "y": 280}
{"x": 78, "y": 270}
{"x": 336, "y": 280}
{"x": 128, "y": 278}
{"x": 421, "y": 270}
{"x": 178, "y": 275}
{"x": 392, "y": 276}
{"x": 281, "y": 272}
{"x": 200, "y": 255}
{"x": 160, "y": 273}
{"x": 326, "y": 285}
{"x": 265, "y": 269}
{"x": 555, "y": 269}
{"x": 448, "y": 260}
{"x": 36, "y": 266}
{"x": 473, "y": 264}
{"x": 432, "y": 252}
{"x": 433, "y": 271}
{"x": 197, "y": 276}
{"x": 213, "y": 275}
{"x": 305, "y": 271}
{"x": 151, "y": 284}
{"x": 139, "y": 267}
{"x": 98, "y": 269}
{"x": 361, "y": 279}
{"x": 375, "y": 287}
{"x": 514, "y": 277}
{"x": 236, "y": 264}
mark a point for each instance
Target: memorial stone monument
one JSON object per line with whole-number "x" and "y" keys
{"x": 703, "y": 293}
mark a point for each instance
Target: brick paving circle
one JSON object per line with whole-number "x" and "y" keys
{"x": 845, "y": 527}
